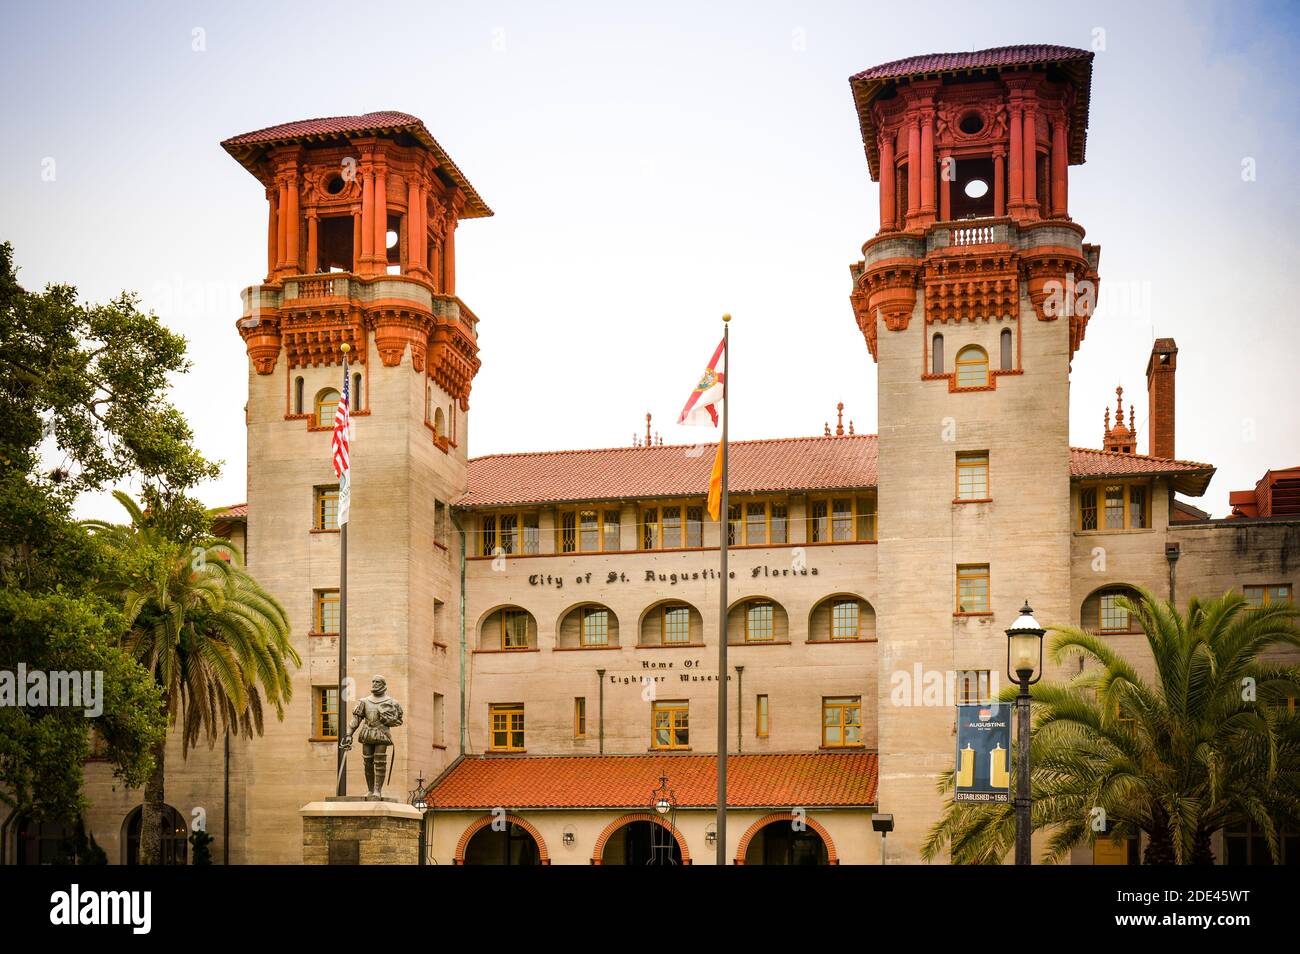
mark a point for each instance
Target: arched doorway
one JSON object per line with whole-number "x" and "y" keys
{"x": 44, "y": 843}
{"x": 512, "y": 845}
{"x": 640, "y": 839}
{"x": 175, "y": 844}
{"x": 786, "y": 839}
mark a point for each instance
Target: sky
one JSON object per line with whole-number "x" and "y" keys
{"x": 652, "y": 166}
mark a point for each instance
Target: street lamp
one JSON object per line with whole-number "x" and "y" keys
{"x": 883, "y": 824}
{"x": 418, "y": 801}
{"x": 1024, "y": 668}
{"x": 663, "y": 801}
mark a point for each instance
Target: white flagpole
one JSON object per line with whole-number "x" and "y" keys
{"x": 342, "y": 787}
{"x": 724, "y": 527}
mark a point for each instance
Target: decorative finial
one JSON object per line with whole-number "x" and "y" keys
{"x": 647, "y": 429}
{"x": 1132, "y": 420}
{"x": 345, "y": 347}
{"x": 1119, "y": 406}
{"x": 727, "y": 316}
{"x": 850, "y": 427}
{"x": 839, "y": 419}
{"x": 1107, "y": 417}
{"x": 827, "y": 427}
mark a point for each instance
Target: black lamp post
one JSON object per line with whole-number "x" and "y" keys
{"x": 417, "y": 799}
{"x": 663, "y": 802}
{"x": 1024, "y": 668}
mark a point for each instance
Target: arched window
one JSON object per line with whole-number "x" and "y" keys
{"x": 508, "y": 628}
{"x": 972, "y": 367}
{"x": 355, "y": 397}
{"x": 326, "y": 403}
{"x": 439, "y": 424}
{"x": 758, "y": 620}
{"x": 936, "y": 355}
{"x": 44, "y": 843}
{"x": 1102, "y": 612}
{"x": 174, "y": 835}
{"x": 297, "y": 395}
{"x": 1007, "y": 363}
{"x": 843, "y": 616}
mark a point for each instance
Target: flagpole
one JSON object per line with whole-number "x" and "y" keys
{"x": 343, "y": 615}
{"x": 724, "y": 527}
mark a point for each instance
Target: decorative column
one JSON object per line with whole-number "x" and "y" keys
{"x": 887, "y": 174}
{"x": 272, "y": 231}
{"x": 367, "y": 217}
{"x": 927, "y": 163}
{"x": 414, "y": 208}
{"x": 449, "y": 253}
{"x": 999, "y": 181}
{"x": 1060, "y": 163}
{"x": 1030, "y": 140}
{"x": 291, "y": 229}
{"x": 381, "y": 220}
{"x": 282, "y": 220}
{"x": 913, "y": 170}
{"x": 356, "y": 238}
{"x": 1017, "y": 160}
{"x": 945, "y": 187}
{"x": 313, "y": 251}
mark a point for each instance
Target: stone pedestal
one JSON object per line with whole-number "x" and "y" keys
{"x": 360, "y": 831}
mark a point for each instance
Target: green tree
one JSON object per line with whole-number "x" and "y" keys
{"x": 84, "y": 405}
{"x": 1208, "y": 743}
{"x": 216, "y": 643}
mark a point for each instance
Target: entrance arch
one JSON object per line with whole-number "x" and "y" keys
{"x": 794, "y": 847}
{"x": 175, "y": 837}
{"x": 503, "y": 844}
{"x": 598, "y": 856}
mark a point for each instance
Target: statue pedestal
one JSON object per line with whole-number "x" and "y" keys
{"x": 360, "y": 830}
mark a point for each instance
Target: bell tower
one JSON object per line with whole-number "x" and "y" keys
{"x": 973, "y": 295}
{"x": 362, "y": 214}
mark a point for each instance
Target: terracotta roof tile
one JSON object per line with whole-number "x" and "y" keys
{"x": 626, "y": 781}
{"x": 1000, "y": 57}
{"x": 792, "y": 464}
{"x": 248, "y": 147}
{"x": 233, "y": 512}
{"x": 789, "y": 464}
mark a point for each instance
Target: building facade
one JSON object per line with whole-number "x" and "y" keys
{"x": 550, "y": 621}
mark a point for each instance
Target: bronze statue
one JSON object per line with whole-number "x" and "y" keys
{"x": 376, "y": 714}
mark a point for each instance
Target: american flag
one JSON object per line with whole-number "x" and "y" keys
{"x": 339, "y": 448}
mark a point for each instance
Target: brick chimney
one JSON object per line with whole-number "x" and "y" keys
{"x": 1160, "y": 395}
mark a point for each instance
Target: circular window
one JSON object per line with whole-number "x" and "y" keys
{"x": 971, "y": 123}
{"x": 334, "y": 185}
{"x": 976, "y": 188}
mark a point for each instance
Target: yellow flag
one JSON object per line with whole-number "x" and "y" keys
{"x": 715, "y": 485}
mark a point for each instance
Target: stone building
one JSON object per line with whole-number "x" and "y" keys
{"x": 551, "y": 620}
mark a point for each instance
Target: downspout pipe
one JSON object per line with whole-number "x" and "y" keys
{"x": 461, "y": 531}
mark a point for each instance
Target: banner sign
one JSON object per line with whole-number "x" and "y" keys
{"x": 984, "y": 752}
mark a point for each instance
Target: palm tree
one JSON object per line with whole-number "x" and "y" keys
{"x": 1207, "y": 744}
{"x": 215, "y": 641}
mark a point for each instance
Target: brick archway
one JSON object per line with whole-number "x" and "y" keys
{"x": 831, "y": 857}
{"x": 543, "y": 856}
{"x": 598, "y": 852}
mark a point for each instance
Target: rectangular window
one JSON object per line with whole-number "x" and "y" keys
{"x": 590, "y": 537}
{"x": 1114, "y": 507}
{"x": 973, "y": 686}
{"x": 760, "y": 717}
{"x": 819, "y": 530}
{"x": 845, "y": 620}
{"x": 579, "y": 717}
{"x": 568, "y": 532}
{"x": 1259, "y": 595}
{"x": 440, "y": 523}
{"x": 866, "y": 518}
{"x": 595, "y": 626}
{"x": 672, "y": 528}
{"x": 612, "y": 530}
{"x": 439, "y": 719}
{"x": 973, "y": 476}
{"x": 734, "y": 529}
{"x": 650, "y": 528}
{"x": 1088, "y": 508}
{"x": 695, "y": 526}
{"x": 507, "y": 727}
{"x": 327, "y": 508}
{"x": 1112, "y": 618}
{"x": 1137, "y": 507}
{"x": 677, "y": 624}
{"x": 780, "y": 533}
{"x": 758, "y": 623}
{"x": 327, "y": 611}
{"x": 973, "y": 588}
{"x": 842, "y": 519}
{"x": 670, "y": 725}
{"x": 514, "y": 629}
{"x": 327, "y": 712}
{"x": 841, "y": 721}
{"x": 510, "y": 532}
{"x": 755, "y": 523}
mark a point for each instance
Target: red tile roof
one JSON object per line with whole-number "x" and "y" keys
{"x": 233, "y": 512}
{"x": 676, "y": 470}
{"x": 1075, "y": 64}
{"x": 793, "y": 464}
{"x": 249, "y": 147}
{"x": 626, "y": 781}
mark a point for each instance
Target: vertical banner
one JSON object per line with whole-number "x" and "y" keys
{"x": 984, "y": 752}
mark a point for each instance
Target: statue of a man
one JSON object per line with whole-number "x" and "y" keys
{"x": 375, "y": 714}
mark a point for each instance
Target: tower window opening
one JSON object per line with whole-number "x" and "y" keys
{"x": 972, "y": 367}
{"x": 297, "y": 395}
{"x": 972, "y": 195}
{"x": 335, "y": 185}
{"x": 936, "y": 355}
{"x": 355, "y": 396}
{"x": 1007, "y": 363}
{"x": 971, "y": 123}
{"x": 335, "y": 242}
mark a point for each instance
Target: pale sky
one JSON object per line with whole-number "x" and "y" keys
{"x": 652, "y": 166}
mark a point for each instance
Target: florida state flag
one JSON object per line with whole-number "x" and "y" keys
{"x": 702, "y": 409}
